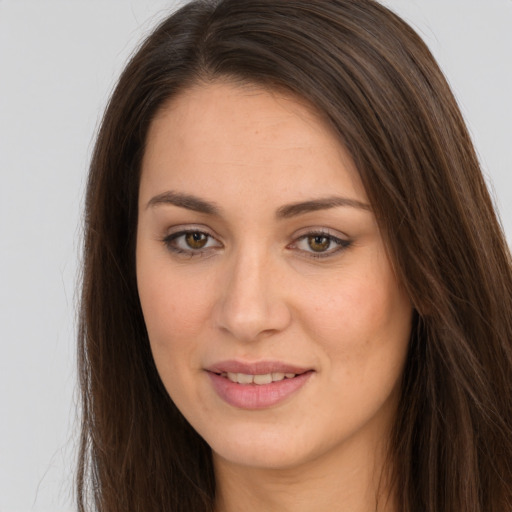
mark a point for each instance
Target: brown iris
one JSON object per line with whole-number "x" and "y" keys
{"x": 196, "y": 240}
{"x": 319, "y": 243}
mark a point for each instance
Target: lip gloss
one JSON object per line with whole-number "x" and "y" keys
{"x": 256, "y": 396}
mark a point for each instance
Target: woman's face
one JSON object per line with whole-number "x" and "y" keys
{"x": 275, "y": 319}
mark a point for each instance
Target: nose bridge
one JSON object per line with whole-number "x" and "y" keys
{"x": 251, "y": 303}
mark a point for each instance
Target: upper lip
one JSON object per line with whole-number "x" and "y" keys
{"x": 256, "y": 368}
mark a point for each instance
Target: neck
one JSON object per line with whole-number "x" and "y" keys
{"x": 351, "y": 479}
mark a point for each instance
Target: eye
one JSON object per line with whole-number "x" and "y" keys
{"x": 191, "y": 242}
{"x": 320, "y": 244}
{"x": 195, "y": 240}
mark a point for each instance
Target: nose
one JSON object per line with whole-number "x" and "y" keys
{"x": 252, "y": 301}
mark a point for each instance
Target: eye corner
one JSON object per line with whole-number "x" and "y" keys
{"x": 191, "y": 242}
{"x": 328, "y": 244}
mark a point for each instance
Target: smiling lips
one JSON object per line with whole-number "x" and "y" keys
{"x": 256, "y": 386}
{"x": 260, "y": 379}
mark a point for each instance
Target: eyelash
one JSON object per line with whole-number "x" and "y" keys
{"x": 341, "y": 244}
{"x": 170, "y": 240}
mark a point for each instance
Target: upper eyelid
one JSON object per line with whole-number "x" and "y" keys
{"x": 183, "y": 229}
{"x": 327, "y": 235}
{"x": 176, "y": 231}
{"x": 296, "y": 234}
{"x": 182, "y": 232}
{"x": 186, "y": 228}
{"x": 333, "y": 233}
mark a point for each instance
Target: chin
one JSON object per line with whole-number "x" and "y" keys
{"x": 265, "y": 448}
{"x": 256, "y": 455}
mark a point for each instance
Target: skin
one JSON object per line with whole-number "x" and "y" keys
{"x": 258, "y": 291}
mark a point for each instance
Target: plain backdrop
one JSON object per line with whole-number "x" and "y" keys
{"x": 58, "y": 63}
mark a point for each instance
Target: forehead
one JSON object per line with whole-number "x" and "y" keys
{"x": 221, "y": 137}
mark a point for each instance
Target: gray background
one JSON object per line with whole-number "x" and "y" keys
{"x": 58, "y": 62}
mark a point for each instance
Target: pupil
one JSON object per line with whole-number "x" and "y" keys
{"x": 196, "y": 240}
{"x": 319, "y": 243}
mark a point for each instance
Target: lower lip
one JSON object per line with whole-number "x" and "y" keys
{"x": 257, "y": 396}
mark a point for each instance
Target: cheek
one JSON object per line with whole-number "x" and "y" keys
{"x": 173, "y": 321}
{"x": 362, "y": 328}
{"x": 175, "y": 310}
{"x": 360, "y": 319}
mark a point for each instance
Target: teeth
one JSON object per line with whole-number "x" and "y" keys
{"x": 266, "y": 378}
{"x": 243, "y": 378}
{"x": 263, "y": 379}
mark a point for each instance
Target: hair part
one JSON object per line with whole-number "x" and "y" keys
{"x": 370, "y": 76}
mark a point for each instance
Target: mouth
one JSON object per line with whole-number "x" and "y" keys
{"x": 258, "y": 385}
{"x": 259, "y": 379}
{"x": 256, "y": 368}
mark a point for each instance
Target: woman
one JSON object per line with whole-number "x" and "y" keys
{"x": 296, "y": 293}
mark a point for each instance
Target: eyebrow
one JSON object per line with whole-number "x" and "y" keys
{"x": 187, "y": 201}
{"x": 191, "y": 202}
{"x": 314, "y": 205}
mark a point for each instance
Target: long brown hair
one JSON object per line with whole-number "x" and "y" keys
{"x": 373, "y": 79}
